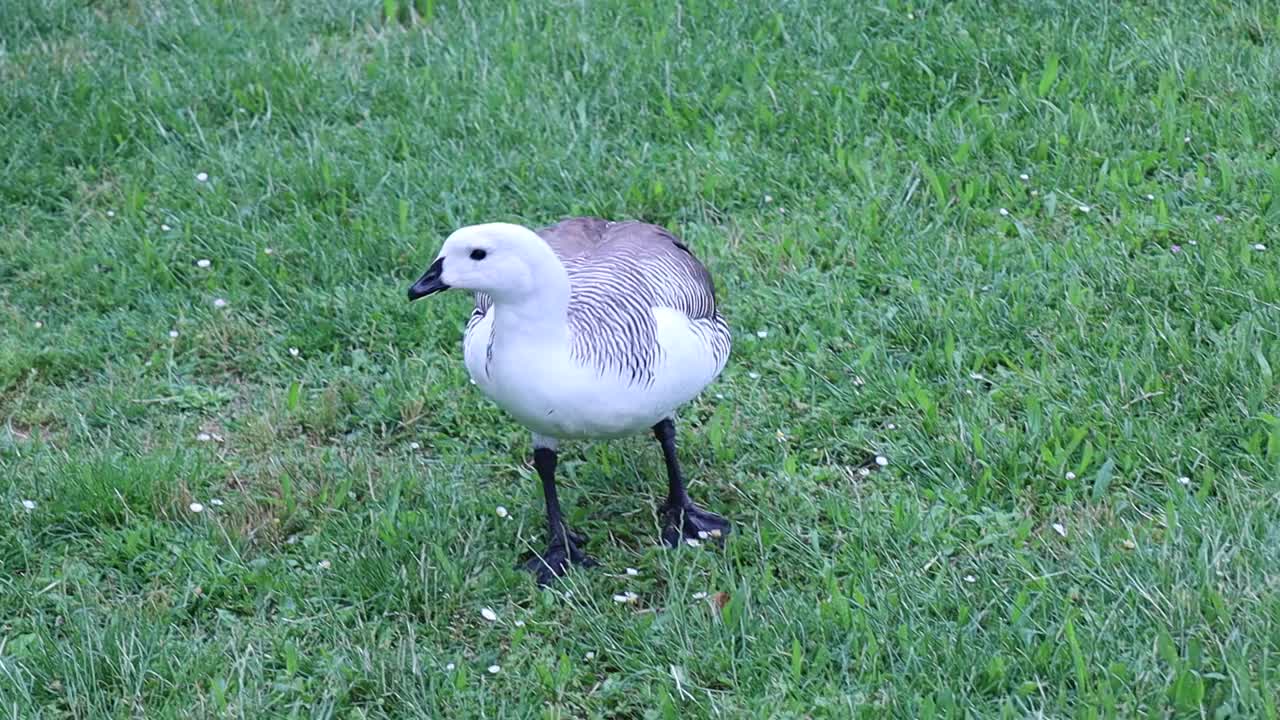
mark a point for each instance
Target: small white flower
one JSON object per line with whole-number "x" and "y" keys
{"x": 864, "y": 472}
{"x": 1060, "y": 529}
{"x": 1084, "y": 208}
{"x": 1004, "y": 212}
{"x": 204, "y": 437}
{"x": 1070, "y": 475}
{"x": 591, "y": 656}
{"x": 28, "y": 505}
{"x": 202, "y": 177}
{"x": 627, "y": 597}
{"x": 1024, "y": 177}
{"x": 762, "y": 334}
{"x": 449, "y": 667}
{"x": 414, "y": 446}
{"x": 203, "y": 263}
{"x": 633, "y": 572}
{"x": 970, "y": 579}
{"x": 268, "y": 251}
{"x": 215, "y": 502}
{"x": 38, "y": 324}
{"x": 111, "y": 213}
{"x": 882, "y": 460}
{"x": 519, "y": 623}
{"x": 219, "y": 303}
{"x": 501, "y": 511}
{"x": 1259, "y": 247}
{"x": 1193, "y": 242}
{"x": 324, "y": 565}
{"x": 768, "y": 198}
{"x": 911, "y": 16}
{"x": 1184, "y": 480}
{"x": 891, "y": 426}
{"x": 1186, "y": 139}
{"x": 173, "y": 333}
{"x": 488, "y": 614}
{"x": 753, "y": 375}
{"x": 857, "y": 380}
{"x": 719, "y": 396}
{"x": 699, "y": 596}
{"x": 495, "y": 669}
{"x": 195, "y": 507}
{"x": 702, "y": 535}
{"x": 165, "y": 227}
{"x": 691, "y": 542}
{"x": 293, "y": 352}
{"x": 1150, "y": 196}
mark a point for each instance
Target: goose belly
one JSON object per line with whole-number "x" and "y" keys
{"x": 573, "y": 403}
{"x": 543, "y": 389}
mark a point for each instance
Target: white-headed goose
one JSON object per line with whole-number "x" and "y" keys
{"x": 588, "y": 329}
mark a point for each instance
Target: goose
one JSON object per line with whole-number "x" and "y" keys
{"x": 588, "y": 329}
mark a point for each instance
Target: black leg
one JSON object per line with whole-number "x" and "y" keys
{"x": 563, "y": 546}
{"x": 681, "y": 519}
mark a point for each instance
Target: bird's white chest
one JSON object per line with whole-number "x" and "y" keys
{"x": 541, "y": 386}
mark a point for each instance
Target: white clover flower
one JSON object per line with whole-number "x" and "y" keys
{"x": 202, "y": 177}
{"x": 203, "y": 263}
{"x": 489, "y": 614}
{"x": 196, "y": 507}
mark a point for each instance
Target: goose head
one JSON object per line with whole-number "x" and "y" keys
{"x": 507, "y": 262}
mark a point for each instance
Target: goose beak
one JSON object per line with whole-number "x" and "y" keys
{"x": 429, "y": 283}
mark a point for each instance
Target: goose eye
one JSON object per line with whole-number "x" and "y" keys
{"x": 478, "y": 254}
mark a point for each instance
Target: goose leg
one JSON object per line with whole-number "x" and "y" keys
{"x": 681, "y": 519}
{"x": 563, "y": 549}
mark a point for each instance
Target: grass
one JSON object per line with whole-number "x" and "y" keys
{"x": 1011, "y": 249}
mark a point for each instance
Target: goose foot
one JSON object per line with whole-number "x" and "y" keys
{"x": 554, "y": 562}
{"x": 690, "y": 522}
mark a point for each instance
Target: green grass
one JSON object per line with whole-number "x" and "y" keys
{"x": 841, "y": 167}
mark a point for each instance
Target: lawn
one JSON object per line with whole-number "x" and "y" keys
{"x": 999, "y": 434}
